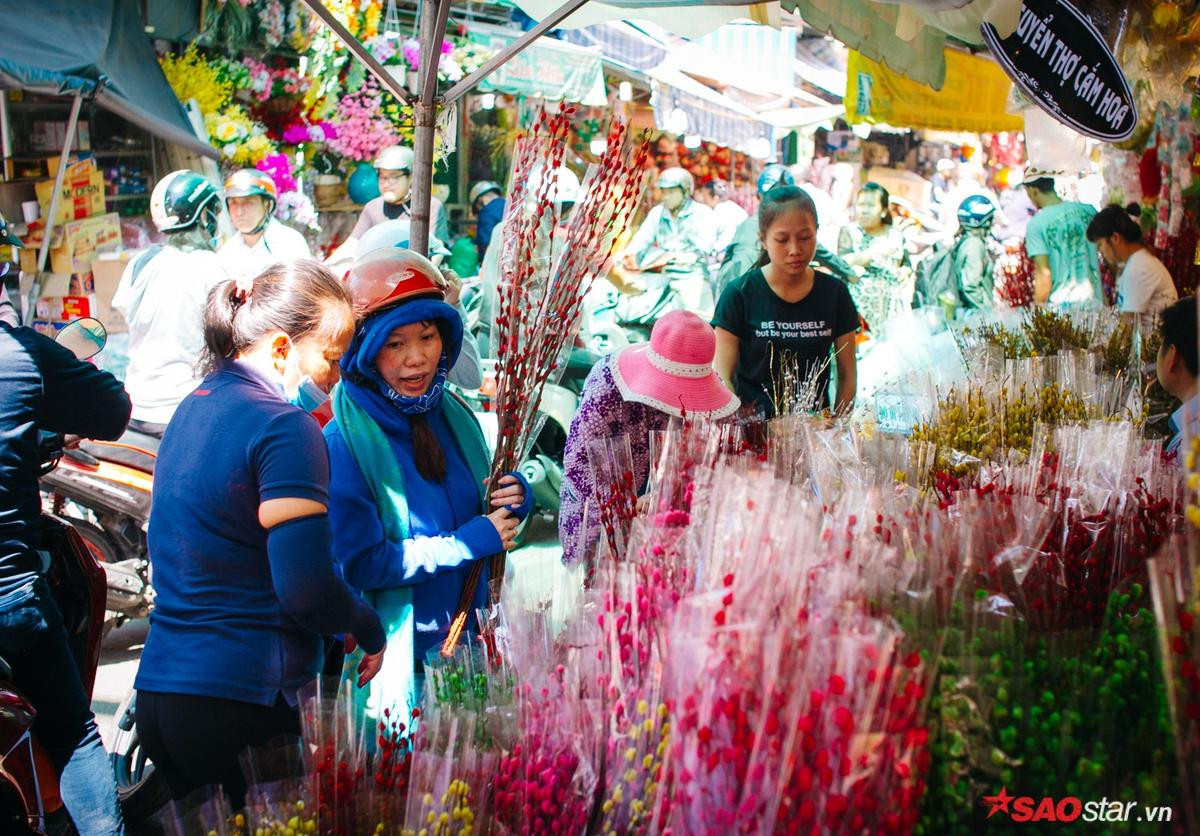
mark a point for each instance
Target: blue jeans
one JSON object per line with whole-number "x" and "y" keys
{"x": 34, "y": 643}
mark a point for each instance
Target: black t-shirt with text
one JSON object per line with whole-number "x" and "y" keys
{"x": 774, "y": 334}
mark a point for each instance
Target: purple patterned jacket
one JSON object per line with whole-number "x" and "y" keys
{"x": 602, "y": 413}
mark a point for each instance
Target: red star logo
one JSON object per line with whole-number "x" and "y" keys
{"x": 998, "y": 802}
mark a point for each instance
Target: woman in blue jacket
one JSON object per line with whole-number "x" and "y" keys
{"x": 408, "y": 465}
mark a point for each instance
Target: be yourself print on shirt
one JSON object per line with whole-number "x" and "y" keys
{"x": 773, "y": 333}
{"x": 810, "y": 329}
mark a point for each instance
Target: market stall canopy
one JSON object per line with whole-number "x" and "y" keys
{"x": 64, "y": 47}
{"x": 620, "y": 43}
{"x": 822, "y": 63}
{"x": 690, "y": 18}
{"x": 709, "y": 114}
{"x": 907, "y": 35}
{"x": 973, "y": 98}
{"x": 753, "y": 58}
{"x": 549, "y": 69}
{"x": 794, "y": 118}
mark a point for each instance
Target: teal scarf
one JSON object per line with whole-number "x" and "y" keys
{"x": 395, "y": 686}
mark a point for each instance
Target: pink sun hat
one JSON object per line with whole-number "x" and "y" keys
{"x": 673, "y": 372}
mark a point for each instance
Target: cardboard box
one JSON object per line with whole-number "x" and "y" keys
{"x": 50, "y": 136}
{"x": 82, "y": 193}
{"x": 53, "y": 163}
{"x": 63, "y": 308}
{"x": 76, "y": 244}
{"x": 106, "y": 276}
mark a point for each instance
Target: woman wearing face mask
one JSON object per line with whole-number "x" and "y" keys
{"x": 240, "y": 538}
{"x": 408, "y": 463}
{"x": 784, "y": 316}
{"x": 881, "y": 283}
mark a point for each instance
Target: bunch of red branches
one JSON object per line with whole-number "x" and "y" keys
{"x": 547, "y": 267}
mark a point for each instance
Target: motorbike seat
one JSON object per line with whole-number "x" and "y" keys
{"x": 133, "y": 449}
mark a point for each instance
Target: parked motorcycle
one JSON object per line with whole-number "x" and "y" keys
{"x": 104, "y": 488}
{"x": 78, "y": 584}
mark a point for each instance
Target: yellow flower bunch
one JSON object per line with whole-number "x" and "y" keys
{"x": 192, "y": 77}
{"x": 1191, "y": 459}
{"x": 241, "y": 140}
{"x": 346, "y": 11}
{"x": 371, "y": 20}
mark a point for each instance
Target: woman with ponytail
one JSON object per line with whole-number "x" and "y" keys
{"x": 1144, "y": 285}
{"x": 784, "y": 319}
{"x": 239, "y": 534}
{"x": 409, "y": 467}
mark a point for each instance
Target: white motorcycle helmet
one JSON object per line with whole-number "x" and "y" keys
{"x": 676, "y": 178}
{"x": 395, "y": 158}
{"x": 395, "y": 234}
{"x": 565, "y": 188}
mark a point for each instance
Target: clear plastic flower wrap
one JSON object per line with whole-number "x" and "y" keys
{"x": 1175, "y": 584}
{"x": 278, "y": 790}
{"x": 206, "y": 810}
{"x": 335, "y": 730}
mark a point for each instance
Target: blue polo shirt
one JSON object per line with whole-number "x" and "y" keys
{"x": 219, "y": 628}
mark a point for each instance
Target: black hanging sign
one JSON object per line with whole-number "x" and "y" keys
{"x": 1059, "y": 59}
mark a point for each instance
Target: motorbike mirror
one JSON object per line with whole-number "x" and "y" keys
{"x": 85, "y": 338}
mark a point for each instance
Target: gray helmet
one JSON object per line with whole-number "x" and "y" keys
{"x": 676, "y": 178}
{"x": 480, "y": 189}
{"x": 774, "y": 175}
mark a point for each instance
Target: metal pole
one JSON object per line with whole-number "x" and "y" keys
{"x": 48, "y": 226}
{"x": 5, "y": 134}
{"x": 434, "y": 14}
{"x": 552, "y": 20}
{"x": 359, "y": 51}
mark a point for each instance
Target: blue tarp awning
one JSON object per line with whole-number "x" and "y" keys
{"x": 64, "y": 47}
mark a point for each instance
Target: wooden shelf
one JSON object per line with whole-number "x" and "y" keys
{"x": 130, "y": 152}
{"x": 65, "y": 104}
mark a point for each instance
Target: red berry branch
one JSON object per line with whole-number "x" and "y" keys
{"x": 547, "y": 267}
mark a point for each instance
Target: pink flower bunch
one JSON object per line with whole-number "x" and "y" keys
{"x": 287, "y": 80}
{"x": 296, "y": 209}
{"x": 362, "y": 130}
{"x": 298, "y": 132}
{"x": 279, "y": 166}
{"x": 412, "y": 52}
{"x": 271, "y": 18}
{"x": 383, "y": 48}
{"x": 259, "y": 77}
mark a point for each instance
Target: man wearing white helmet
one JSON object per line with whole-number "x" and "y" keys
{"x": 162, "y": 295}
{"x": 677, "y": 236}
{"x": 395, "y": 167}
